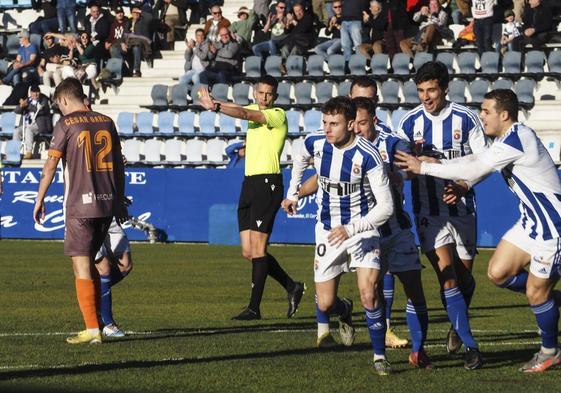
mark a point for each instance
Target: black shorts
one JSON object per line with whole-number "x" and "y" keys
{"x": 260, "y": 199}
{"x": 84, "y": 236}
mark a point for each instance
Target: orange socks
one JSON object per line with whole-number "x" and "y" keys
{"x": 85, "y": 290}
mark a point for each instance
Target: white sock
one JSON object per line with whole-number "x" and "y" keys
{"x": 548, "y": 351}
{"x": 323, "y": 328}
{"x": 379, "y": 357}
{"x": 93, "y": 331}
{"x": 388, "y": 324}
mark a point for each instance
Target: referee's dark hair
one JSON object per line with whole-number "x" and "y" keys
{"x": 340, "y": 105}
{"x": 433, "y": 70}
{"x": 365, "y": 103}
{"x": 268, "y": 80}
{"x": 70, "y": 88}
{"x": 505, "y": 100}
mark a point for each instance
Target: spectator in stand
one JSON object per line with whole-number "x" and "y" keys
{"x": 300, "y": 32}
{"x": 225, "y": 59}
{"x": 275, "y": 28}
{"x": 333, "y": 29}
{"x": 375, "y": 22}
{"x": 482, "y": 11}
{"x": 66, "y": 14}
{"x": 26, "y": 59}
{"x": 36, "y": 119}
{"x": 433, "y": 27}
{"x": 47, "y": 22}
{"x": 115, "y": 43}
{"x": 511, "y": 33}
{"x": 320, "y": 10}
{"x": 351, "y": 27}
{"x": 242, "y": 29}
{"x": 97, "y": 25}
{"x": 85, "y": 68}
{"x": 398, "y": 25}
{"x": 50, "y": 65}
{"x": 213, "y": 26}
{"x": 538, "y": 23}
{"x": 197, "y": 58}
{"x": 172, "y": 13}
{"x": 140, "y": 39}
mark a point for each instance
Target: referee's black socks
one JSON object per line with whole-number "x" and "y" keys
{"x": 278, "y": 273}
{"x": 259, "y": 271}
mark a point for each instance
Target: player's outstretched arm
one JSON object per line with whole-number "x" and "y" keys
{"x": 309, "y": 187}
{"x": 229, "y": 108}
{"x": 47, "y": 176}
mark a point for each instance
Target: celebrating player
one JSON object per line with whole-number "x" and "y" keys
{"x": 354, "y": 199}
{"x": 441, "y": 128}
{"x": 535, "y": 239}
{"x": 94, "y": 176}
{"x": 262, "y": 190}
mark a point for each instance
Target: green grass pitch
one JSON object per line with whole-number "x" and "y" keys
{"x": 177, "y": 305}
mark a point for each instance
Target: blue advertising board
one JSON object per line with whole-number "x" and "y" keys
{"x": 199, "y": 205}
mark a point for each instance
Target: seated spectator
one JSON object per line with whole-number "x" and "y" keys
{"x": 333, "y": 29}
{"x": 236, "y": 154}
{"x": 225, "y": 59}
{"x": 242, "y": 29}
{"x": 115, "y": 43}
{"x": 300, "y": 32}
{"x": 85, "y": 68}
{"x": 511, "y": 33}
{"x": 197, "y": 58}
{"x": 172, "y": 13}
{"x": 36, "y": 119}
{"x": 26, "y": 60}
{"x": 66, "y": 14}
{"x": 351, "y": 27}
{"x": 50, "y": 65}
{"x": 97, "y": 25}
{"x": 275, "y": 31}
{"x": 433, "y": 27}
{"x": 139, "y": 41}
{"x": 375, "y": 22}
{"x": 538, "y": 23}
{"x": 47, "y": 22}
{"x": 213, "y": 25}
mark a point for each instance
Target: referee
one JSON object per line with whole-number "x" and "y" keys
{"x": 262, "y": 190}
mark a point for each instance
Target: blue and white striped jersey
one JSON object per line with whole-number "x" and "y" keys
{"x": 344, "y": 192}
{"x": 455, "y": 132}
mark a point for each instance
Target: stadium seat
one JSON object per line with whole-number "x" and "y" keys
{"x": 172, "y": 152}
{"x": 490, "y": 63}
{"x": 165, "y": 123}
{"x": 512, "y": 62}
{"x": 293, "y": 120}
{"x": 524, "y": 90}
{"x": 312, "y": 121}
{"x": 131, "y": 151}
{"x": 144, "y": 123}
{"x": 297, "y": 146}
{"x": 534, "y": 62}
{"x": 179, "y": 95}
{"x": 421, "y": 58}
{"x": 220, "y": 91}
{"x": 227, "y": 124}
{"x": 357, "y": 64}
{"x": 283, "y": 93}
{"x": 503, "y": 84}
{"x": 303, "y": 93}
{"x": 193, "y": 94}
{"x": 12, "y": 46}
{"x": 400, "y": 64}
{"x": 35, "y": 39}
{"x": 240, "y": 93}
{"x": 344, "y": 88}
{"x": 447, "y": 59}
{"x": 152, "y": 151}
{"x": 159, "y": 96}
{"x": 115, "y": 67}
{"x": 273, "y": 66}
{"x": 457, "y": 91}
{"x": 215, "y": 151}
{"x": 324, "y": 91}
{"x": 8, "y": 123}
{"x": 336, "y": 64}
{"x": 186, "y": 123}
{"x": 125, "y": 124}
{"x": 466, "y": 62}
{"x": 379, "y": 65}
{"x": 315, "y": 66}
{"x": 207, "y": 122}
{"x": 253, "y": 66}
{"x": 477, "y": 89}
{"x": 13, "y": 153}
{"x": 554, "y": 62}
{"x": 410, "y": 93}
{"x": 194, "y": 149}
{"x": 390, "y": 92}
{"x": 397, "y": 115}
{"x": 295, "y": 66}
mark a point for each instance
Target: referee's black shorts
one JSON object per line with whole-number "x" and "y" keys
{"x": 260, "y": 199}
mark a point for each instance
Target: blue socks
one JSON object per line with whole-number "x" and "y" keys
{"x": 377, "y": 329}
{"x": 338, "y": 309}
{"x": 107, "y": 281}
{"x": 516, "y": 283}
{"x": 457, "y": 313}
{"x": 321, "y": 316}
{"x": 389, "y": 283}
{"x": 547, "y": 316}
{"x": 418, "y": 322}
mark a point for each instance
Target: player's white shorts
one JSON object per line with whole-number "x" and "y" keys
{"x": 399, "y": 253}
{"x": 116, "y": 241}
{"x": 435, "y": 232}
{"x": 363, "y": 250}
{"x": 545, "y": 254}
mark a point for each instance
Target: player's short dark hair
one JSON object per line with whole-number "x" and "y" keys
{"x": 268, "y": 80}
{"x": 70, "y": 88}
{"x": 201, "y": 30}
{"x": 433, "y": 70}
{"x": 365, "y": 103}
{"x": 365, "y": 81}
{"x": 505, "y": 100}
{"x": 340, "y": 105}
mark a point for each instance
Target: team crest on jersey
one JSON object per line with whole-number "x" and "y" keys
{"x": 457, "y": 135}
{"x": 384, "y": 155}
{"x": 356, "y": 169}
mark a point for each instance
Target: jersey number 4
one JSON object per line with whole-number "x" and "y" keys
{"x": 103, "y": 143}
